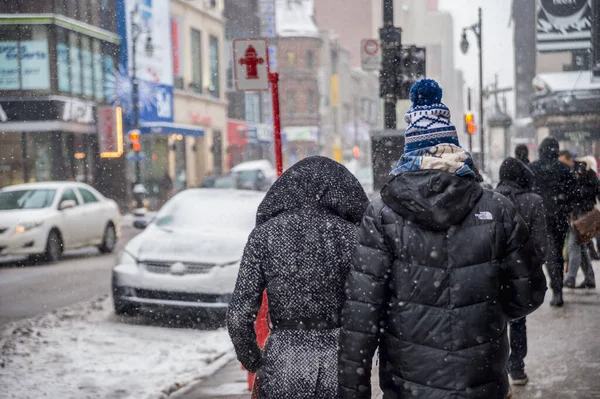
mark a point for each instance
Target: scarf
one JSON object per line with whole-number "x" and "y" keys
{"x": 445, "y": 157}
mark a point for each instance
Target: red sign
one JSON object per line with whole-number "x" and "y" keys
{"x": 175, "y": 38}
{"x": 251, "y": 64}
{"x": 110, "y": 132}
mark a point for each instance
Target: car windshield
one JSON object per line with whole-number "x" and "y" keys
{"x": 26, "y": 199}
{"x": 200, "y": 211}
{"x": 225, "y": 182}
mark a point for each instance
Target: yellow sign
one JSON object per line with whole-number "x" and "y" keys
{"x": 335, "y": 91}
{"x": 337, "y": 154}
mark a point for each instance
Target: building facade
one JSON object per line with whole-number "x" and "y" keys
{"x": 57, "y": 66}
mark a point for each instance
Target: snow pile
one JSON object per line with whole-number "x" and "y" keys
{"x": 84, "y": 351}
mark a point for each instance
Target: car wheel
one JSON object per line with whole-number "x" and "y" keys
{"x": 54, "y": 247}
{"x": 109, "y": 239}
{"x": 125, "y": 309}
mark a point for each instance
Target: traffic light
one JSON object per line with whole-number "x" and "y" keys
{"x": 470, "y": 123}
{"x": 356, "y": 151}
{"x": 134, "y": 138}
{"x": 410, "y": 70}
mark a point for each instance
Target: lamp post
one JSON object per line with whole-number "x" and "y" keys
{"x": 136, "y": 32}
{"x": 464, "y": 46}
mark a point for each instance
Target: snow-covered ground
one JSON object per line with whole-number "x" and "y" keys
{"x": 84, "y": 351}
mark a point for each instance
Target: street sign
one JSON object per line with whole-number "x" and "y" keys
{"x": 370, "y": 54}
{"x": 251, "y": 64}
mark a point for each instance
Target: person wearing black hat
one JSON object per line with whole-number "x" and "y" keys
{"x": 555, "y": 183}
{"x": 522, "y": 153}
{"x": 516, "y": 181}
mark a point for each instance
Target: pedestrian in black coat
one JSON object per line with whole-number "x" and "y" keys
{"x": 588, "y": 190}
{"x": 441, "y": 266}
{"x": 522, "y": 153}
{"x": 556, "y": 184}
{"x": 300, "y": 252}
{"x": 516, "y": 181}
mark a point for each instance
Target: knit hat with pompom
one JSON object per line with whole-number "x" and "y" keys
{"x": 428, "y": 119}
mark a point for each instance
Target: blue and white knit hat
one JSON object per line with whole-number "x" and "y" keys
{"x": 428, "y": 119}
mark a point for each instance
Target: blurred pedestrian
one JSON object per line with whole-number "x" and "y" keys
{"x": 440, "y": 267}
{"x": 300, "y": 252}
{"x": 522, "y": 153}
{"x": 587, "y": 192}
{"x": 556, "y": 184}
{"x": 516, "y": 181}
{"x": 165, "y": 187}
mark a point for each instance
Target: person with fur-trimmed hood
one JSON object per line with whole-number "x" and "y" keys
{"x": 441, "y": 265}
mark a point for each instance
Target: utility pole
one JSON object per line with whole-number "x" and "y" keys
{"x": 481, "y": 119}
{"x": 391, "y": 43}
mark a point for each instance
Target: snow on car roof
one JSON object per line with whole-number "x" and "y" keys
{"x": 223, "y": 194}
{"x": 253, "y": 165}
{"x": 568, "y": 81}
{"x": 44, "y": 185}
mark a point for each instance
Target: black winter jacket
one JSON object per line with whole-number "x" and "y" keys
{"x": 300, "y": 252}
{"x": 531, "y": 207}
{"x": 555, "y": 183}
{"x": 588, "y": 189}
{"x": 440, "y": 268}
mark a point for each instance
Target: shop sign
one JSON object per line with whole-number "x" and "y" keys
{"x": 302, "y": 133}
{"x": 25, "y": 67}
{"x": 110, "y": 132}
{"x": 264, "y": 132}
{"x": 155, "y": 71}
{"x": 78, "y": 111}
{"x": 563, "y": 25}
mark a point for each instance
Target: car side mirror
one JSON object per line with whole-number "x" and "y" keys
{"x": 66, "y": 204}
{"x": 140, "y": 224}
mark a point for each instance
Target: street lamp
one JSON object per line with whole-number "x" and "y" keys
{"x": 464, "y": 46}
{"x": 136, "y": 32}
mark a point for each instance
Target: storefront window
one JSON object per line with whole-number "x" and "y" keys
{"x": 86, "y": 58}
{"x": 24, "y": 60}
{"x": 62, "y": 60}
{"x": 214, "y": 66}
{"x": 156, "y": 148}
{"x": 75, "y": 58}
{"x": 98, "y": 72}
{"x": 109, "y": 78}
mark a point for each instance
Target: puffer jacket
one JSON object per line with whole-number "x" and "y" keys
{"x": 441, "y": 266}
{"x": 300, "y": 252}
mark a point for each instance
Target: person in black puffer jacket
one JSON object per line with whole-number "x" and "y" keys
{"x": 557, "y": 186}
{"x": 441, "y": 266}
{"x": 516, "y": 181}
{"x": 300, "y": 252}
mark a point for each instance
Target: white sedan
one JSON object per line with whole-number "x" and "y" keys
{"x": 189, "y": 256}
{"x": 44, "y": 219}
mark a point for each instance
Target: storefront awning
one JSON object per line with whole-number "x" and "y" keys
{"x": 171, "y": 128}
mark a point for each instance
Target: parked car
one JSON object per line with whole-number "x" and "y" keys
{"x": 254, "y": 175}
{"x": 44, "y": 219}
{"x": 188, "y": 257}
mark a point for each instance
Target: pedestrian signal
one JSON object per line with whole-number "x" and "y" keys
{"x": 470, "y": 123}
{"x": 134, "y": 138}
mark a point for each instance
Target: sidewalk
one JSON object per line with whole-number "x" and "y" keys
{"x": 563, "y": 360}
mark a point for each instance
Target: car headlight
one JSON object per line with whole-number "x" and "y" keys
{"x": 127, "y": 259}
{"x": 23, "y": 227}
{"x": 236, "y": 263}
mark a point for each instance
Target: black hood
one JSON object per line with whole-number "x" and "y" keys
{"x": 516, "y": 172}
{"x": 549, "y": 149}
{"x": 431, "y": 198}
{"x": 315, "y": 182}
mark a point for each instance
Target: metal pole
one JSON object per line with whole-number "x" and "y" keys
{"x": 389, "y": 48}
{"x": 469, "y": 110}
{"x": 481, "y": 118}
{"x": 136, "y": 110}
{"x": 274, "y": 79}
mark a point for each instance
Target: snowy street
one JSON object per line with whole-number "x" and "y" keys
{"x": 37, "y": 289}
{"x": 85, "y": 351}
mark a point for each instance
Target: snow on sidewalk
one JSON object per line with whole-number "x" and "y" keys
{"x": 84, "y": 351}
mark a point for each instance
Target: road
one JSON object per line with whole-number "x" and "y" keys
{"x": 30, "y": 290}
